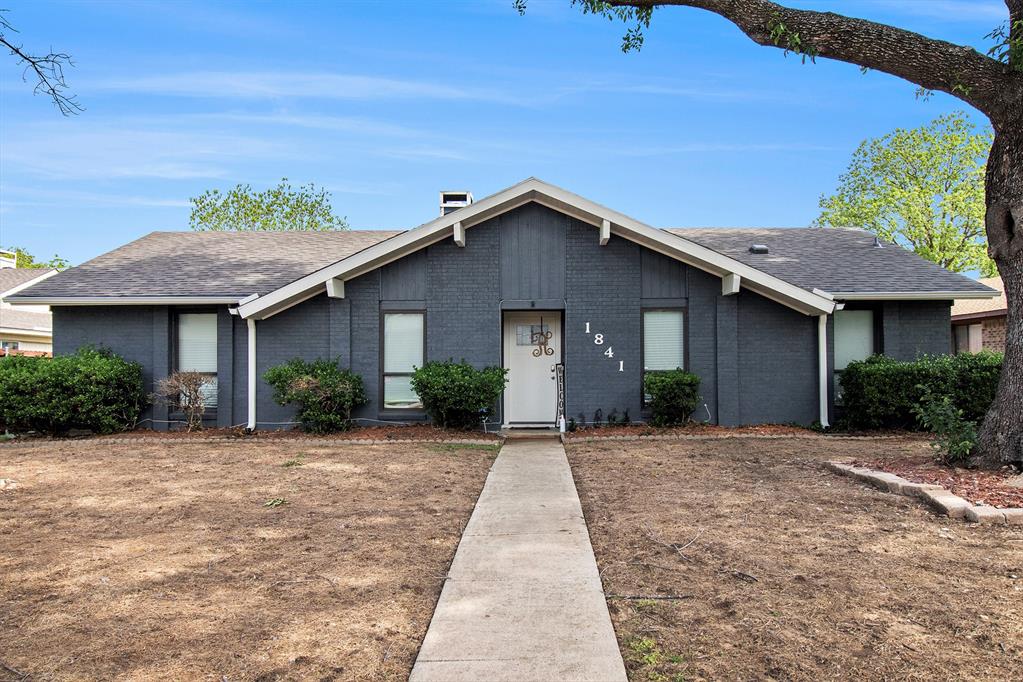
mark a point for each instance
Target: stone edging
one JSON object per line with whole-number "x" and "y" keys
{"x": 937, "y": 497}
{"x": 759, "y": 436}
{"x": 147, "y": 440}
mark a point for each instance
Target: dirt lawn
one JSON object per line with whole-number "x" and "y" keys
{"x": 789, "y": 572}
{"x": 162, "y": 561}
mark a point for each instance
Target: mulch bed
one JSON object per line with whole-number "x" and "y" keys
{"x": 396, "y": 432}
{"x": 976, "y": 485}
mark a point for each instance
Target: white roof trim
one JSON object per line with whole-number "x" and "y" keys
{"x": 558, "y": 199}
{"x": 911, "y": 295}
{"x": 25, "y": 285}
{"x": 17, "y": 331}
{"x": 123, "y": 300}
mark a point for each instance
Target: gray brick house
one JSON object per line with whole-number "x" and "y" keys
{"x": 576, "y": 299}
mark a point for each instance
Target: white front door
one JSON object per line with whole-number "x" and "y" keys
{"x": 531, "y": 352}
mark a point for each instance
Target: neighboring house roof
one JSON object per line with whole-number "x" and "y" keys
{"x": 15, "y": 278}
{"x": 228, "y": 265}
{"x": 28, "y": 322}
{"x": 266, "y": 272}
{"x": 974, "y": 309}
{"x": 842, "y": 261}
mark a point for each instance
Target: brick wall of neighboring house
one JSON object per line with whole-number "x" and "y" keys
{"x": 994, "y": 334}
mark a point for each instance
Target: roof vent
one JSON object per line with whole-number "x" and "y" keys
{"x": 877, "y": 243}
{"x": 758, "y": 248}
{"x": 454, "y": 200}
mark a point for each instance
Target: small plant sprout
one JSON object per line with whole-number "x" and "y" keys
{"x": 275, "y": 502}
{"x": 296, "y": 462}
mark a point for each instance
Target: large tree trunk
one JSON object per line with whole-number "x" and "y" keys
{"x": 1001, "y": 434}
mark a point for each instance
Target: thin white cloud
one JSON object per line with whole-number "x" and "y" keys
{"x": 122, "y": 152}
{"x": 31, "y": 196}
{"x": 276, "y": 84}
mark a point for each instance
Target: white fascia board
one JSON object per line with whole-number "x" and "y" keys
{"x": 559, "y": 199}
{"x": 42, "y": 333}
{"x": 335, "y": 288}
{"x": 26, "y": 285}
{"x": 605, "y": 232}
{"x": 459, "y": 234}
{"x": 911, "y": 295}
{"x": 121, "y": 300}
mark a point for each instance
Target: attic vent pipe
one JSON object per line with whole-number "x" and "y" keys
{"x": 758, "y": 248}
{"x": 454, "y": 200}
{"x": 877, "y": 243}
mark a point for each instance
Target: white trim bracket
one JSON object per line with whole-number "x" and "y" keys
{"x": 605, "y": 231}
{"x": 335, "y": 288}
{"x": 730, "y": 284}
{"x": 459, "y": 234}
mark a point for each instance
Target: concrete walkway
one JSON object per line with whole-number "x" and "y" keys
{"x": 523, "y": 599}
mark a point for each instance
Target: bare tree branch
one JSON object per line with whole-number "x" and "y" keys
{"x": 48, "y": 70}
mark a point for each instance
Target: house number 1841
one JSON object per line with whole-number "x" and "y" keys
{"x": 598, "y": 340}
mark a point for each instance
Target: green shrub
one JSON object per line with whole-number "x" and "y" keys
{"x": 456, "y": 394}
{"x": 954, "y": 435}
{"x": 91, "y": 389}
{"x": 673, "y": 396}
{"x": 325, "y": 393}
{"x": 883, "y": 393}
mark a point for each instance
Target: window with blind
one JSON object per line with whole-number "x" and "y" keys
{"x": 854, "y": 340}
{"x": 663, "y": 341}
{"x": 197, "y": 349}
{"x": 403, "y": 352}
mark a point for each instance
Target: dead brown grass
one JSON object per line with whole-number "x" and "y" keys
{"x": 160, "y": 561}
{"x": 793, "y": 573}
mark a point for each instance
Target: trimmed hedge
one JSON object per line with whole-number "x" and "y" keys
{"x": 883, "y": 393}
{"x": 456, "y": 394}
{"x": 325, "y": 393}
{"x": 673, "y": 396}
{"x": 91, "y": 389}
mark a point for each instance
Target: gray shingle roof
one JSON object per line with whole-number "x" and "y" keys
{"x": 831, "y": 259}
{"x": 12, "y": 277}
{"x": 224, "y": 264}
{"x": 12, "y": 318}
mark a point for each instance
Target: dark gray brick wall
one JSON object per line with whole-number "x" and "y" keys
{"x": 704, "y": 290}
{"x": 603, "y": 288}
{"x": 777, "y": 350}
{"x": 915, "y": 328}
{"x": 363, "y": 294}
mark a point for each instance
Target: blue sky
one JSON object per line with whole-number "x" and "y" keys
{"x": 384, "y": 104}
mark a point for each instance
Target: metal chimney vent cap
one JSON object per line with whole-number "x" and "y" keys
{"x": 452, "y": 200}
{"x": 758, "y": 248}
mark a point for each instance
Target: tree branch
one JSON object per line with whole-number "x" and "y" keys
{"x": 48, "y": 70}
{"x": 987, "y": 84}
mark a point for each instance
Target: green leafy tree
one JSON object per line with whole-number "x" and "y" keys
{"x": 277, "y": 209}
{"x": 24, "y": 259}
{"x": 921, "y": 188}
{"x": 991, "y": 82}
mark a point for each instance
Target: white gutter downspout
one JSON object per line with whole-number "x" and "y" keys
{"x": 822, "y": 363}
{"x": 252, "y": 373}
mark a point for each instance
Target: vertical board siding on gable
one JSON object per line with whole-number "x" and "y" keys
{"x": 603, "y": 284}
{"x": 533, "y": 252}
{"x": 777, "y": 351}
{"x": 663, "y": 277}
{"x": 405, "y": 278}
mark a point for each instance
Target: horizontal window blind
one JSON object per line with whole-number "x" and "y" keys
{"x": 854, "y": 336}
{"x": 403, "y": 342}
{"x": 398, "y": 393}
{"x": 663, "y": 340}
{"x": 197, "y": 342}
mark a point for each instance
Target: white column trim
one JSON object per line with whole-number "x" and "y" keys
{"x": 252, "y": 373}
{"x": 605, "y": 231}
{"x": 459, "y": 234}
{"x": 822, "y": 364}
